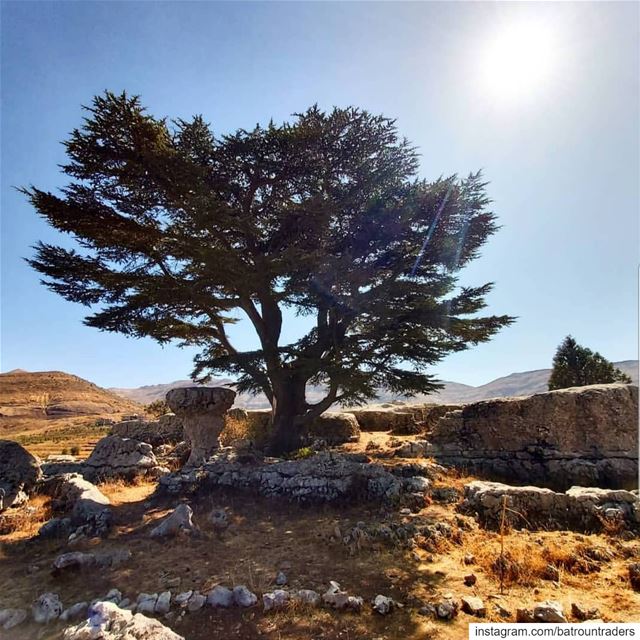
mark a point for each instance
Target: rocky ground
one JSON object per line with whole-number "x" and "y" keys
{"x": 428, "y": 562}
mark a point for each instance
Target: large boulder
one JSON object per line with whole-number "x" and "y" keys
{"x": 334, "y": 428}
{"x": 202, "y": 411}
{"x": 19, "y": 473}
{"x": 112, "y": 457}
{"x": 107, "y": 620}
{"x": 115, "y": 457}
{"x": 580, "y": 436}
{"x": 87, "y": 507}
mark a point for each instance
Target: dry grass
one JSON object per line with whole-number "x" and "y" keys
{"x": 23, "y": 522}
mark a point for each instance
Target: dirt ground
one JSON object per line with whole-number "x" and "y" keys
{"x": 268, "y": 535}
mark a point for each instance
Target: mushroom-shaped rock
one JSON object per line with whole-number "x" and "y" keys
{"x": 202, "y": 411}
{"x": 19, "y": 473}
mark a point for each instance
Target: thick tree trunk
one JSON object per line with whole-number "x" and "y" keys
{"x": 290, "y": 406}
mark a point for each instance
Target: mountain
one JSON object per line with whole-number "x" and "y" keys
{"x": 47, "y": 394}
{"x": 516, "y": 384}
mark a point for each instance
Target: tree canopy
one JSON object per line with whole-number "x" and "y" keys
{"x": 577, "y": 366}
{"x": 180, "y": 232}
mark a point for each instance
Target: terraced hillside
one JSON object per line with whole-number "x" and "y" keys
{"x": 52, "y": 412}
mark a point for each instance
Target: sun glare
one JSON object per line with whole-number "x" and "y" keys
{"x": 518, "y": 61}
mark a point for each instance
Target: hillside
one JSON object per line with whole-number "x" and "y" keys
{"x": 516, "y": 384}
{"x": 55, "y": 394}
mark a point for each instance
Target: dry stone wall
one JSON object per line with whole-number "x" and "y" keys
{"x": 168, "y": 429}
{"x": 584, "y": 436}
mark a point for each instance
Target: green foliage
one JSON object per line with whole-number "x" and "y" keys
{"x": 157, "y": 408}
{"x": 302, "y": 454}
{"x": 179, "y": 233}
{"x": 577, "y": 366}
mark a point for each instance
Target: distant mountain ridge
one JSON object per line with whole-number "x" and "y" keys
{"x": 42, "y": 394}
{"x": 516, "y": 384}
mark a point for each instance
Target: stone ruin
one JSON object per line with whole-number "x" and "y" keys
{"x": 584, "y": 436}
{"x": 579, "y": 508}
{"x": 324, "y": 477}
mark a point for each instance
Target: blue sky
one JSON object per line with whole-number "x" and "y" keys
{"x": 558, "y": 141}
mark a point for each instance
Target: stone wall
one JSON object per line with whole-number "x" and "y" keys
{"x": 168, "y": 429}
{"x": 333, "y": 427}
{"x": 324, "y": 477}
{"x": 403, "y": 418}
{"x": 580, "y": 436}
{"x": 579, "y": 508}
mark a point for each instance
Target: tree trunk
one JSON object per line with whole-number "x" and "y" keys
{"x": 290, "y": 405}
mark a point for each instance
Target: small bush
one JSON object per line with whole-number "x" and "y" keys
{"x": 157, "y": 408}
{"x": 302, "y": 454}
{"x": 75, "y": 451}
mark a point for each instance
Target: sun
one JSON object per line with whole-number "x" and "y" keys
{"x": 518, "y": 61}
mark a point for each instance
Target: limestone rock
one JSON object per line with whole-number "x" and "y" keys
{"x": 474, "y": 606}
{"x": 87, "y": 505}
{"x": 107, "y": 620}
{"x": 578, "y": 508}
{"x": 334, "y": 428}
{"x": 146, "y": 602}
{"x": 549, "y": 611}
{"x": 114, "y": 456}
{"x": 584, "y": 436}
{"x": 525, "y": 615}
{"x": 324, "y": 477}
{"x": 242, "y": 597}
{"x": 275, "y": 600}
{"x": 307, "y": 597}
{"x": 113, "y": 595}
{"x": 281, "y": 578}
{"x": 196, "y": 601}
{"x": 74, "y": 612}
{"x": 382, "y": 605}
{"x": 581, "y": 612}
{"x": 74, "y": 560}
{"x": 163, "y": 603}
{"x": 182, "y": 598}
{"x": 220, "y": 596}
{"x": 167, "y": 430}
{"x": 202, "y": 412}
{"x": 19, "y": 473}
{"x": 10, "y": 618}
{"x": 447, "y": 608}
{"x": 219, "y": 519}
{"x": 178, "y": 521}
{"x": 338, "y": 599}
{"x": 46, "y": 608}
{"x": 412, "y": 449}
